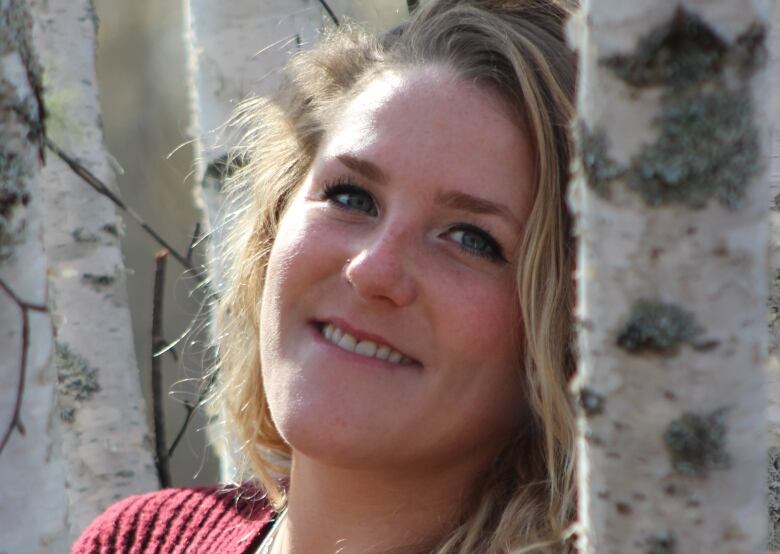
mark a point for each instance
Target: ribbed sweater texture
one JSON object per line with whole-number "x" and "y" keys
{"x": 201, "y": 520}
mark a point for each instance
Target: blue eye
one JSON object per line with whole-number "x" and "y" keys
{"x": 350, "y": 197}
{"x": 477, "y": 242}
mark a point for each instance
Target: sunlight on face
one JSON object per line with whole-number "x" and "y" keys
{"x": 403, "y": 238}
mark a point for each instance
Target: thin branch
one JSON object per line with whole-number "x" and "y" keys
{"x": 25, "y": 307}
{"x": 100, "y": 187}
{"x": 161, "y": 453}
{"x": 190, "y": 410}
{"x": 330, "y": 12}
{"x": 193, "y": 242}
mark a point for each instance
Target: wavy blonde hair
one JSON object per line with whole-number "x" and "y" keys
{"x": 517, "y": 48}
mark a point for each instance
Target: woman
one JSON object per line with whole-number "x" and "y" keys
{"x": 396, "y": 327}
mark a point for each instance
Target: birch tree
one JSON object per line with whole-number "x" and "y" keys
{"x": 773, "y": 457}
{"x": 104, "y": 431}
{"x": 29, "y": 440}
{"x": 237, "y": 50}
{"x": 80, "y": 439}
{"x": 670, "y": 200}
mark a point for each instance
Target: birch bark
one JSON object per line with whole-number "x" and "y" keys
{"x": 29, "y": 434}
{"x": 101, "y": 411}
{"x": 773, "y": 457}
{"x": 238, "y": 50}
{"x": 671, "y": 213}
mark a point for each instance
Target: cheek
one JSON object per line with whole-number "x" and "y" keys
{"x": 480, "y": 311}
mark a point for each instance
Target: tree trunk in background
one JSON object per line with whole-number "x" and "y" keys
{"x": 671, "y": 201}
{"x": 774, "y": 299}
{"x": 237, "y": 50}
{"x": 29, "y": 441}
{"x": 105, "y": 438}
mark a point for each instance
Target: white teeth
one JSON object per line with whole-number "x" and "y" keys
{"x": 382, "y": 352}
{"x": 367, "y": 348}
{"x": 347, "y": 342}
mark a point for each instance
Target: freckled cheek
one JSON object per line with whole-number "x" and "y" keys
{"x": 479, "y": 320}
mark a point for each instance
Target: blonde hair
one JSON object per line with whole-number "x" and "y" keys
{"x": 518, "y": 49}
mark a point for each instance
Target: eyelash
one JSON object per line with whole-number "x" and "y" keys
{"x": 343, "y": 185}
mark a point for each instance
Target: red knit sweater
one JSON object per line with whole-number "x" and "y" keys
{"x": 202, "y": 520}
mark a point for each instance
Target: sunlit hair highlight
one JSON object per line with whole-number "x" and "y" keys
{"x": 517, "y": 49}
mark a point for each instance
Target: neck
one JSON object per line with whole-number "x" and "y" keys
{"x": 348, "y": 511}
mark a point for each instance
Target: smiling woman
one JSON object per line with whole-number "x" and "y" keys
{"x": 395, "y": 330}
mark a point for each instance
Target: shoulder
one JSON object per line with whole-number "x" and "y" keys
{"x": 199, "y": 519}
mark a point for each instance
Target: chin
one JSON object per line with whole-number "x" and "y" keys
{"x": 330, "y": 441}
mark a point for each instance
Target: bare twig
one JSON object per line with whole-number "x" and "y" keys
{"x": 161, "y": 452}
{"x": 193, "y": 242}
{"x": 190, "y": 410}
{"x": 330, "y": 12}
{"x": 100, "y": 187}
{"x": 25, "y": 307}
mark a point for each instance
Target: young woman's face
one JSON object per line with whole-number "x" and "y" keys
{"x": 401, "y": 241}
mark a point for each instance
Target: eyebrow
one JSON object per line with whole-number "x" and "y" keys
{"x": 466, "y": 202}
{"x": 452, "y": 199}
{"x": 364, "y": 167}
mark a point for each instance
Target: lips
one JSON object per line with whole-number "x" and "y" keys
{"x": 351, "y": 340}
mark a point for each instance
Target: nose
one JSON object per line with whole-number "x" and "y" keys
{"x": 382, "y": 270}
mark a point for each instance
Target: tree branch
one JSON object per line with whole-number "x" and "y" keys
{"x": 24, "y": 307}
{"x": 161, "y": 452}
{"x": 330, "y": 12}
{"x": 100, "y": 187}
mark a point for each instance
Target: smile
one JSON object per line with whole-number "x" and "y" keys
{"x": 367, "y": 348}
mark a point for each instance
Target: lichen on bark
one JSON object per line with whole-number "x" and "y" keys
{"x": 773, "y": 485}
{"x": 707, "y": 145}
{"x": 77, "y": 380}
{"x": 682, "y": 52}
{"x": 600, "y": 170}
{"x": 697, "y": 443}
{"x": 656, "y": 327}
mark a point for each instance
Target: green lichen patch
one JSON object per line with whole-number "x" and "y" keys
{"x": 77, "y": 380}
{"x": 662, "y": 543}
{"x": 697, "y": 442}
{"x": 655, "y": 327}
{"x": 773, "y": 485}
{"x": 599, "y": 168}
{"x": 682, "y": 52}
{"x": 707, "y": 147}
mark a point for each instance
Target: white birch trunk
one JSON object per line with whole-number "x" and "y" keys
{"x": 671, "y": 213}
{"x": 101, "y": 411}
{"x": 774, "y": 299}
{"x": 238, "y": 49}
{"x": 33, "y": 510}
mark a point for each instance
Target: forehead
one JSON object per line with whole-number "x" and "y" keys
{"x": 429, "y": 126}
